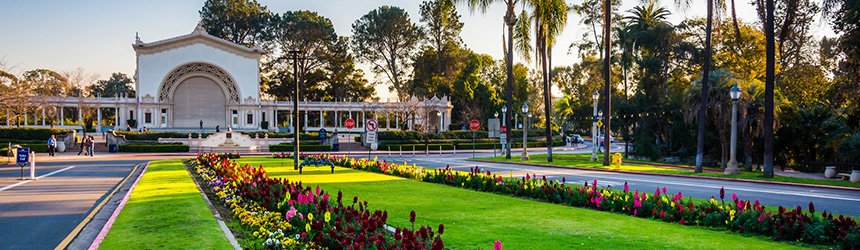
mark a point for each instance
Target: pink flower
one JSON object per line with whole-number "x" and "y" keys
{"x": 734, "y": 196}
{"x": 664, "y": 190}
{"x": 625, "y": 187}
{"x": 497, "y": 245}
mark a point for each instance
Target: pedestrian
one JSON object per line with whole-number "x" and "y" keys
{"x": 201, "y": 124}
{"x": 90, "y": 145}
{"x": 218, "y": 129}
{"x": 52, "y": 144}
{"x": 127, "y": 128}
{"x": 83, "y": 146}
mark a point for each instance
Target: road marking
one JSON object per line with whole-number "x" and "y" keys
{"x": 40, "y": 177}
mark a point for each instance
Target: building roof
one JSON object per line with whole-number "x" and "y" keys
{"x": 199, "y": 35}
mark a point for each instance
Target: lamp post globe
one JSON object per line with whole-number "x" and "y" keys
{"x": 504, "y": 109}
{"x": 735, "y": 94}
{"x": 496, "y": 115}
{"x": 594, "y": 96}
{"x": 525, "y": 155}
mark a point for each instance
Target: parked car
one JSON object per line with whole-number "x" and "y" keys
{"x": 576, "y": 139}
{"x": 602, "y": 137}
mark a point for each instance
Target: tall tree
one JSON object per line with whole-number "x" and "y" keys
{"x": 118, "y": 84}
{"x": 548, "y": 18}
{"x": 768, "y": 90}
{"x": 442, "y": 28}
{"x": 510, "y": 19}
{"x": 239, "y": 21}
{"x": 345, "y": 81}
{"x": 308, "y": 33}
{"x": 385, "y": 37}
{"x": 50, "y": 85}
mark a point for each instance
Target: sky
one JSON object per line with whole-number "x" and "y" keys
{"x": 96, "y": 35}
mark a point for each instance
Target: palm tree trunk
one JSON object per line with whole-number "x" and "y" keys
{"x": 510, "y": 20}
{"x": 547, "y": 100}
{"x": 768, "y": 92}
{"x": 607, "y": 45}
{"x": 700, "y": 147}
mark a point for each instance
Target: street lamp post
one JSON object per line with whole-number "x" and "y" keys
{"x": 496, "y": 115}
{"x": 525, "y": 155}
{"x": 506, "y": 147}
{"x": 295, "y": 56}
{"x": 594, "y": 96}
{"x": 735, "y": 93}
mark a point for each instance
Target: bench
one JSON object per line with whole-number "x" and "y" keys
{"x": 844, "y": 177}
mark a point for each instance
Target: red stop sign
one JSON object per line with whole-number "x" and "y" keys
{"x": 349, "y": 123}
{"x": 504, "y": 129}
{"x": 474, "y": 124}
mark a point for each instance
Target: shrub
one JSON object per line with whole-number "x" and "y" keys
{"x": 153, "y": 148}
{"x": 15, "y": 133}
{"x": 302, "y": 147}
{"x": 38, "y": 148}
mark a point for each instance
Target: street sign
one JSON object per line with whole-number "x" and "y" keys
{"x": 504, "y": 130}
{"x": 322, "y": 133}
{"x": 372, "y": 125}
{"x": 474, "y": 124}
{"x": 349, "y": 123}
{"x": 23, "y": 156}
{"x": 599, "y": 124}
{"x": 493, "y": 126}
{"x": 504, "y": 139}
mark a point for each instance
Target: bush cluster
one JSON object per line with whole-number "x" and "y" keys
{"x": 302, "y": 147}
{"x": 396, "y": 135}
{"x": 23, "y": 133}
{"x": 38, "y": 148}
{"x": 153, "y": 148}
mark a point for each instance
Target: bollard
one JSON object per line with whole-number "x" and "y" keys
{"x": 440, "y": 149}
{"x": 32, "y": 165}
{"x": 413, "y": 150}
{"x": 400, "y": 150}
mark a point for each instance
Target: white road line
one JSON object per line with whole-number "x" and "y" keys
{"x": 39, "y": 177}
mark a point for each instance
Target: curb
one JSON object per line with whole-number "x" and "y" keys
{"x": 676, "y": 175}
{"x": 227, "y": 233}
{"x": 96, "y": 209}
{"x": 101, "y": 236}
{"x": 649, "y": 164}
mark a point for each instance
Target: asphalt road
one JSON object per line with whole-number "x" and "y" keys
{"x": 836, "y": 201}
{"x": 40, "y": 214}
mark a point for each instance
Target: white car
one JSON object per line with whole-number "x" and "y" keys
{"x": 602, "y": 137}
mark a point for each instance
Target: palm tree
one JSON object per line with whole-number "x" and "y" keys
{"x": 548, "y": 18}
{"x": 510, "y": 19}
{"x": 768, "y": 92}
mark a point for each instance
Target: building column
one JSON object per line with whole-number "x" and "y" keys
{"x": 363, "y": 118}
{"x": 396, "y": 120}
{"x": 43, "y": 116}
{"x": 99, "y": 117}
{"x": 322, "y": 120}
{"x": 387, "y": 121}
{"x": 336, "y": 120}
{"x": 306, "y": 120}
{"x": 275, "y": 118}
{"x": 62, "y": 116}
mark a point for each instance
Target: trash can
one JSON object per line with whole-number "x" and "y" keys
{"x": 113, "y": 148}
{"x": 335, "y": 147}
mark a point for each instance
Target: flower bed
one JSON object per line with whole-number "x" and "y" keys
{"x": 282, "y": 215}
{"x": 793, "y": 224}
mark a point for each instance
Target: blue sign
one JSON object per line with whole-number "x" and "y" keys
{"x": 23, "y": 155}
{"x": 322, "y": 133}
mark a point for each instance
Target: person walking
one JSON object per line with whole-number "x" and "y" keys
{"x": 218, "y": 129}
{"x": 52, "y": 144}
{"x": 91, "y": 142}
{"x": 83, "y": 146}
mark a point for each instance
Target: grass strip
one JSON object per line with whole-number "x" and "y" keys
{"x": 477, "y": 219}
{"x": 165, "y": 211}
{"x": 745, "y": 175}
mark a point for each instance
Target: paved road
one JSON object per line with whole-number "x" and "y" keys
{"x": 837, "y": 201}
{"x": 40, "y": 214}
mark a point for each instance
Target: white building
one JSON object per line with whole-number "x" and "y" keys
{"x": 183, "y": 81}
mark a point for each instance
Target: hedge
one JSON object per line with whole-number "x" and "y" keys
{"x": 462, "y": 146}
{"x": 302, "y": 147}
{"x": 38, "y": 148}
{"x": 448, "y": 135}
{"x": 153, "y": 148}
{"x": 151, "y": 136}
{"x": 16, "y": 133}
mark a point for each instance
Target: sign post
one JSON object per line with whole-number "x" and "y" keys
{"x": 474, "y": 124}
{"x": 349, "y": 123}
{"x": 371, "y": 127}
{"x": 503, "y": 137}
{"x": 22, "y": 158}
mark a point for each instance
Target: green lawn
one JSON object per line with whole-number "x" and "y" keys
{"x": 165, "y": 211}
{"x": 541, "y": 159}
{"x": 476, "y": 219}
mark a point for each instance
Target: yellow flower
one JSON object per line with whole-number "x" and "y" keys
{"x": 310, "y": 216}
{"x": 327, "y": 217}
{"x": 713, "y": 201}
{"x": 673, "y": 204}
{"x": 307, "y": 227}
